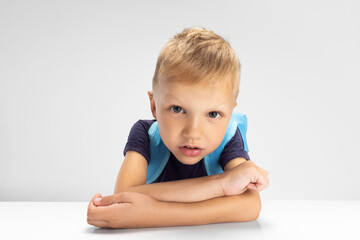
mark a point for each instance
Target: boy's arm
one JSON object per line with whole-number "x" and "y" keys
{"x": 187, "y": 190}
{"x": 154, "y": 213}
{"x": 132, "y": 178}
{"x": 139, "y": 211}
{"x": 240, "y": 208}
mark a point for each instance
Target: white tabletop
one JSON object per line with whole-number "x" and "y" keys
{"x": 278, "y": 220}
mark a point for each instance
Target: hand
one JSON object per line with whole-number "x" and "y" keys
{"x": 123, "y": 210}
{"x": 243, "y": 177}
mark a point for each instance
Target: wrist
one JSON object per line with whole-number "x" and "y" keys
{"x": 223, "y": 182}
{"x": 219, "y": 179}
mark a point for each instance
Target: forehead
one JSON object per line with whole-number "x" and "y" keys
{"x": 195, "y": 93}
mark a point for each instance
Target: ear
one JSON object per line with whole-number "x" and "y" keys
{"x": 152, "y": 103}
{"x": 235, "y": 104}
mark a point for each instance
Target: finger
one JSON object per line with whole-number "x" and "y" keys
{"x": 116, "y": 198}
{"x": 258, "y": 182}
{"x": 252, "y": 186}
{"x": 261, "y": 185}
{"x": 256, "y": 187}
{"x": 266, "y": 182}
{"x": 94, "y": 212}
{"x": 91, "y": 203}
{"x": 106, "y": 213}
{"x": 99, "y": 213}
{"x": 98, "y": 195}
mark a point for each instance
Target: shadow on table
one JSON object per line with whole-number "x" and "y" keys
{"x": 251, "y": 230}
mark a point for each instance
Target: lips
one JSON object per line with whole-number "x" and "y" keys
{"x": 191, "y": 146}
{"x": 190, "y": 150}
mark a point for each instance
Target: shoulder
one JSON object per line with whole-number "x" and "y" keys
{"x": 233, "y": 149}
{"x": 236, "y": 142}
{"x": 139, "y": 131}
{"x": 141, "y": 127}
{"x": 138, "y": 139}
{"x": 143, "y": 124}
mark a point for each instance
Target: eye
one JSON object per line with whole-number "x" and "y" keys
{"x": 176, "y": 109}
{"x": 214, "y": 114}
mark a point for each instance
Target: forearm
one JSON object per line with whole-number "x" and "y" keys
{"x": 187, "y": 190}
{"x": 239, "y": 208}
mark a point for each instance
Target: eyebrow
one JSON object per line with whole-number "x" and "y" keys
{"x": 221, "y": 107}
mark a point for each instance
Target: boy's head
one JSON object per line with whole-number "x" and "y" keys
{"x": 196, "y": 56}
{"x": 195, "y": 86}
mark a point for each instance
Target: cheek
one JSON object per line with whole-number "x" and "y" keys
{"x": 167, "y": 131}
{"x": 216, "y": 135}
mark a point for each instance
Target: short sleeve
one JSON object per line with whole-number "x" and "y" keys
{"x": 233, "y": 149}
{"x": 138, "y": 139}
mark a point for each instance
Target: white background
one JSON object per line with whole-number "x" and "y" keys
{"x": 74, "y": 77}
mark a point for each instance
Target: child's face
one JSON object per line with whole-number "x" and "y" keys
{"x": 195, "y": 115}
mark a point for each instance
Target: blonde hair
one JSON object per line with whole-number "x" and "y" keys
{"x": 198, "y": 55}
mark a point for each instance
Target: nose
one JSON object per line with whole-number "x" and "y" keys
{"x": 193, "y": 128}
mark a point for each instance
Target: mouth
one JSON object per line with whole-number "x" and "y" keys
{"x": 190, "y": 151}
{"x": 191, "y": 147}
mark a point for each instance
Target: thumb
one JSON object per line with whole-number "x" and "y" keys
{"x": 252, "y": 186}
{"x": 98, "y": 195}
{"x": 108, "y": 200}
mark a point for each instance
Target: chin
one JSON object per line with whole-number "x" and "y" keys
{"x": 189, "y": 160}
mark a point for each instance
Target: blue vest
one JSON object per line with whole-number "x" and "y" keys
{"x": 159, "y": 153}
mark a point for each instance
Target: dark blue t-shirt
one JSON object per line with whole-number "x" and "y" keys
{"x": 139, "y": 141}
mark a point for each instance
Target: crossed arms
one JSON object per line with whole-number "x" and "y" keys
{"x": 232, "y": 196}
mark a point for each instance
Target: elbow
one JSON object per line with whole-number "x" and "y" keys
{"x": 256, "y": 207}
{"x": 256, "y": 212}
{"x": 253, "y": 207}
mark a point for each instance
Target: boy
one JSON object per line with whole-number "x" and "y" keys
{"x": 195, "y": 87}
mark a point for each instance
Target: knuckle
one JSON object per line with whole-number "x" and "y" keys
{"x": 125, "y": 195}
{"x": 106, "y": 200}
